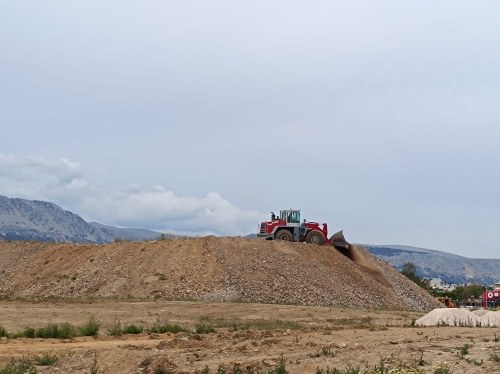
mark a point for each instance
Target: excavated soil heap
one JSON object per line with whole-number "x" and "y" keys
{"x": 209, "y": 268}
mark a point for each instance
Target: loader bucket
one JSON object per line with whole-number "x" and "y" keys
{"x": 340, "y": 244}
{"x": 338, "y": 240}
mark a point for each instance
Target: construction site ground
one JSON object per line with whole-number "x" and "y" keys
{"x": 264, "y": 300}
{"x": 253, "y": 336}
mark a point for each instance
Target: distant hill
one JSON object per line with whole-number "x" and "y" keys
{"x": 22, "y": 219}
{"x": 449, "y": 267}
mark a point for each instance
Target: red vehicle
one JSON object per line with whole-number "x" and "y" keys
{"x": 491, "y": 298}
{"x": 288, "y": 227}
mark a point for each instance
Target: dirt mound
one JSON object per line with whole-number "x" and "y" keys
{"x": 211, "y": 269}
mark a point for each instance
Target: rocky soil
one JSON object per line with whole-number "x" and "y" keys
{"x": 207, "y": 269}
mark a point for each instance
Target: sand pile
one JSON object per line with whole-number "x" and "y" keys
{"x": 459, "y": 317}
{"x": 491, "y": 318}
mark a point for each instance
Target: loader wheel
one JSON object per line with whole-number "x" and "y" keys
{"x": 284, "y": 235}
{"x": 315, "y": 237}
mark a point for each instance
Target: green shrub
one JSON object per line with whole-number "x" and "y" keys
{"x": 91, "y": 328}
{"x": 158, "y": 328}
{"x": 29, "y": 332}
{"x": 132, "y": 329}
{"x": 64, "y": 331}
{"x": 204, "y": 328}
{"x": 3, "y": 332}
{"x": 46, "y": 359}
{"x": 464, "y": 350}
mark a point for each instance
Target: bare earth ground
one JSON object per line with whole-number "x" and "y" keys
{"x": 307, "y": 337}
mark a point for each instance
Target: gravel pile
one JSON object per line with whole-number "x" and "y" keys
{"x": 459, "y": 317}
{"x": 211, "y": 269}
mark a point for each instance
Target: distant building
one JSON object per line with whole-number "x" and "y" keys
{"x": 438, "y": 283}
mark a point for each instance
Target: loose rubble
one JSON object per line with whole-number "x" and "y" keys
{"x": 207, "y": 269}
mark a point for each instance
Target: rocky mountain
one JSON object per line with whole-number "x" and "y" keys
{"x": 22, "y": 219}
{"x": 449, "y": 267}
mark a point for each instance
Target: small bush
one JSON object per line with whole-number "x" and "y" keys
{"x": 64, "y": 331}
{"x": 46, "y": 359}
{"x": 204, "y": 328}
{"x": 3, "y": 332}
{"x": 164, "y": 328}
{"x": 115, "y": 329}
{"x": 29, "y": 332}
{"x": 132, "y": 329}
{"x": 464, "y": 350}
{"x": 91, "y": 328}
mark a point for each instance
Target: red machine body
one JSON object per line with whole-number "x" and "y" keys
{"x": 491, "y": 298}
{"x": 287, "y": 226}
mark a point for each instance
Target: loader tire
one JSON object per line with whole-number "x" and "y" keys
{"x": 315, "y": 237}
{"x": 284, "y": 235}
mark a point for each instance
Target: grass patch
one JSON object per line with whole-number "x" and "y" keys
{"x": 63, "y": 331}
{"x": 203, "y": 327}
{"x": 46, "y": 359}
{"x": 132, "y": 329}
{"x": 162, "y": 328}
{"x": 91, "y": 328}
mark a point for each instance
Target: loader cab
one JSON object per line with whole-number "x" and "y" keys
{"x": 291, "y": 217}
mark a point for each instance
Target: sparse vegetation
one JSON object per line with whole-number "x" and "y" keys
{"x": 162, "y": 328}
{"x": 94, "y": 369}
{"x": 463, "y": 350}
{"x": 23, "y": 366}
{"x": 3, "y": 332}
{"x": 63, "y": 331}
{"x": 91, "y": 328}
{"x": 132, "y": 329}
{"x": 204, "y": 326}
{"x": 495, "y": 357}
{"x": 46, "y": 359}
{"x": 115, "y": 329}
{"x": 442, "y": 368}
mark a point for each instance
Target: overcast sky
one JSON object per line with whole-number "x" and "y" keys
{"x": 379, "y": 117}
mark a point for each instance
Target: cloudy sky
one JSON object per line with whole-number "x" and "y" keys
{"x": 378, "y": 117}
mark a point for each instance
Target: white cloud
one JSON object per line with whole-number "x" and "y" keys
{"x": 63, "y": 182}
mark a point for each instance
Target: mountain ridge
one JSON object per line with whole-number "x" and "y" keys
{"x": 431, "y": 263}
{"x": 37, "y": 220}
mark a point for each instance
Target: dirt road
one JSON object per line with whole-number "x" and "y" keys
{"x": 253, "y": 336}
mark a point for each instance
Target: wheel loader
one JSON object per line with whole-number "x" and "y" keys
{"x": 288, "y": 227}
